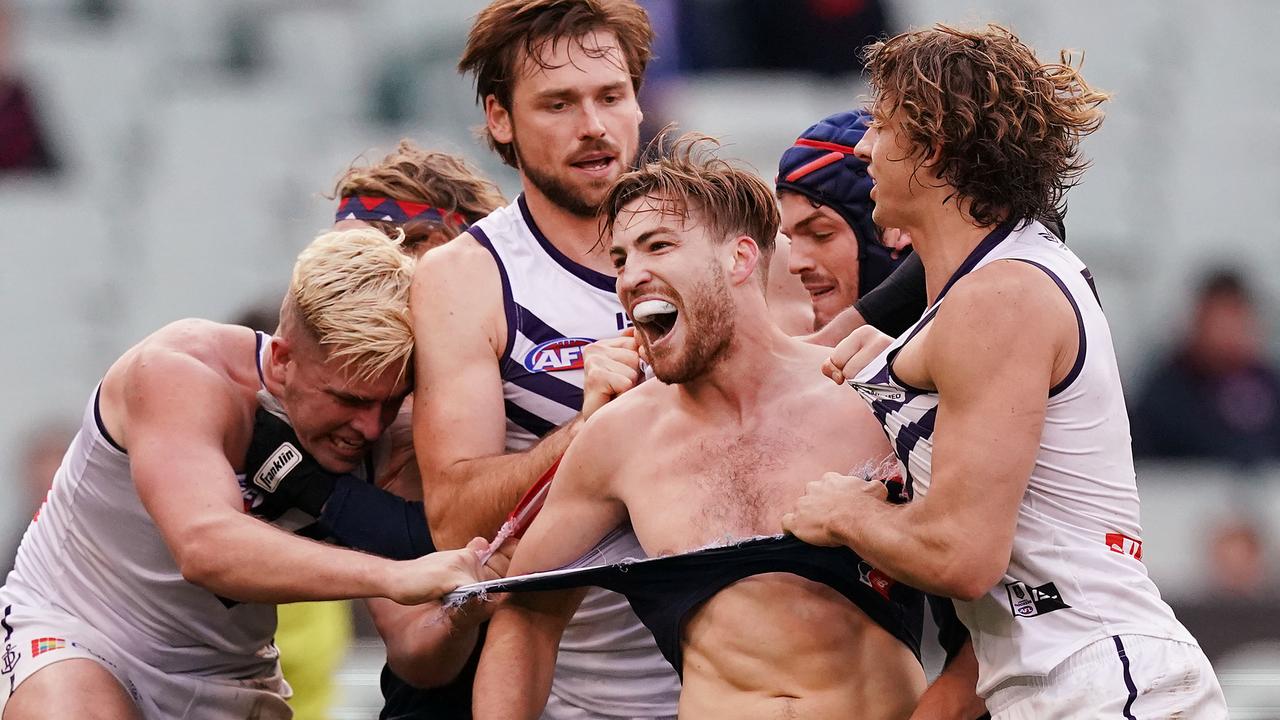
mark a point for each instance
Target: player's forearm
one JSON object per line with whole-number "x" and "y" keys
{"x": 471, "y": 498}
{"x": 838, "y": 329}
{"x": 928, "y": 553}
{"x": 426, "y": 647}
{"x": 513, "y": 680}
{"x": 245, "y": 559}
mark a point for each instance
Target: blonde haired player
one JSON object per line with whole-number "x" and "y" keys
{"x": 143, "y": 589}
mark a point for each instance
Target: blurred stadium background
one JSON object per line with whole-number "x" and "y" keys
{"x": 194, "y": 143}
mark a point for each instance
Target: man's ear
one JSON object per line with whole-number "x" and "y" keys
{"x": 498, "y": 120}
{"x": 746, "y": 257}
{"x": 276, "y": 368}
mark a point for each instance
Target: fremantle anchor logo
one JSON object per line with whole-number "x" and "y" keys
{"x": 11, "y": 658}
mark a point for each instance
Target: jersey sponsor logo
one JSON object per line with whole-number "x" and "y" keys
{"x": 1027, "y": 601}
{"x": 1124, "y": 545}
{"x": 285, "y": 458}
{"x": 40, "y": 646}
{"x": 879, "y": 392}
{"x": 557, "y": 355}
{"x": 875, "y": 579}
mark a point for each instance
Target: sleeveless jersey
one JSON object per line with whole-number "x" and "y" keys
{"x": 1075, "y": 575}
{"x": 94, "y": 552}
{"x": 608, "y": 662}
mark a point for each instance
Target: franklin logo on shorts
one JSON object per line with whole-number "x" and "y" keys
{"x": 278, "y": 464}
{"x": 557, "y": 355}
{"x": 1031, "y": 601}
{"x": 40, "y": 646}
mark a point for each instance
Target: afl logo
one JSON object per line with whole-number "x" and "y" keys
{"x": 557, "y": 355}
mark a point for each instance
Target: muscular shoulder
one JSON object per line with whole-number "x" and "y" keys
{"x": 196, "y": 366}
{"x": 457, "y": 265}
{"x": 1005, "y": 291}
{"x": 1006, "y": 312}
{"x": 457, "y": 289}
{"x": 628, "y": 420}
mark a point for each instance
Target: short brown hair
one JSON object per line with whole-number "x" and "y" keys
{"x": 1003, "y": 128}
{"x": 690, "y": 178}
{"x": 411, "y": 174}
{"x": 506, "y": 27}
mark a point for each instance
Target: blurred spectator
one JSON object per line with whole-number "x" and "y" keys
{"x": 817, "y": 36}
{"x": 1237, "y": 605}
{"x": 40, "y": 457}
{"x": 1237, "y": 560}
{"x": 1216, "y": 397}
{"x": 23, "y": 147}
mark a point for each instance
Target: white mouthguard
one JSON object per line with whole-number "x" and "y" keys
{"x": 647, "y": 310}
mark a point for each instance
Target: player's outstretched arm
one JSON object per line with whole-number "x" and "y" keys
{"x": 179, "y": 414}
{"x": 459, "y": 419}
{"x": 992, "y": 352}
{"x": 516, "y": 667}
{"x": 427, "y": 645}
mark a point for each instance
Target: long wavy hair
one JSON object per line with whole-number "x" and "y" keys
{"x": 993, "y": 122}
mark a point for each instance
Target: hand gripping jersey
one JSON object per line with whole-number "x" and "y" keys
{"x": 608, "y": 663}
{"x": 1076, "y": 574}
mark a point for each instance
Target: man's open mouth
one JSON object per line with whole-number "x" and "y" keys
{"x": 593, "y": 162}
{"x": 655, "y": 318}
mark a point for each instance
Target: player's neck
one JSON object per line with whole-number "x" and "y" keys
{"x": 577, "y": 237}
{"x": 746, "y": 377}
{"x": 944, "y": 238}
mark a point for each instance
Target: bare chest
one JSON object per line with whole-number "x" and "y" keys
{"x": 697, "y": 489}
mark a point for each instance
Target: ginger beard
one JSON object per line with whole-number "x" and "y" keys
{"x": 684, "y": 345}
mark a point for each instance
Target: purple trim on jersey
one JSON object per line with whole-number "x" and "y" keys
{"x": 259, "y": 339}
{"x": 534, "y": 328}
{"x": 527, "y": 420}
{"x": 97, "y": 419}
{"x": 984, "y": 248}
{"x": 595, "y": 279}
{"x": 1088, "y": 278}
{"x": 1128, "y": 679}
{"x": 1080, "y": 351}
{"x": 909, "y": 436}
{"x": 548, "y": 386}
{"x": 892, "y": 354}
{"x": 508, "y": 304}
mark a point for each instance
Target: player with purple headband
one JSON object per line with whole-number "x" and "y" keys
{"x": 429, "y": 197}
